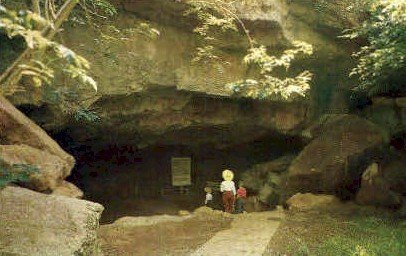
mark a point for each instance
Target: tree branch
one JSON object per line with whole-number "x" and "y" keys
{"x": 36, "y": 7}
{"x": 48, "y": 32}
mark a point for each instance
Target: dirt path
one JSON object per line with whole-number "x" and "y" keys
{"x": 249, "y": 235}
{"x": 159, "y": 235}
{"x": 206, "y": 232}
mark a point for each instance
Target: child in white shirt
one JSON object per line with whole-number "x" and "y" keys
{"x": 209, "y": 197}
{"x": 227, "y": 188}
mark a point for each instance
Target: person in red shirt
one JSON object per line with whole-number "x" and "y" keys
{"x": 240, "y": 198}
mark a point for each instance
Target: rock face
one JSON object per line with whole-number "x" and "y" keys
{"x": 23, "y": 142}
{"x": 168, "y": 116}
{"x": 333, "y": 162}
{"x": 41, "y": 225}
{"x": 137, "y": 64}
{"x": 388, "y": 113}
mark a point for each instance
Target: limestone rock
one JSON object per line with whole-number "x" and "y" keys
{"x": 394, "y": 172}
{"x": 52, "y": 169}
{"x": 334, "y": 161}
{"x": 308, "y": 201}
{"x": 388, "y": 113}
{"x": 170, "y": 116}
{"x": 40, "y": 225}
{"x": 16, "y": 128}
{"x": 24, "y": 142}
{"x": 68, "y": 189}
{"x": 265, "y": 178}
{"x": 376, "y": 187}
{"x": 130, "y": 110}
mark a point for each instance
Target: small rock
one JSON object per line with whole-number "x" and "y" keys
{"x": 309, "y": 201}
{"x": 183, "y": 213}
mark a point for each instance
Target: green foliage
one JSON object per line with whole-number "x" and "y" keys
{"x": 380, "y": 237}
{"x": 49, "y": 55}
{"x": 381, "y": 62}
{"x": 269, "y": 86}
{"x": 101, "y": 8}
{"x": 218, "y": 17}
{"x": 17, "y": 173}
{"x": 367, "y": 236}
{"x": 86, "y": 116}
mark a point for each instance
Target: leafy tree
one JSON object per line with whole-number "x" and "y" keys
{"x": 381, "y": 62}
{"x": 42, "y": 59}
{"x": 221, "y": 16}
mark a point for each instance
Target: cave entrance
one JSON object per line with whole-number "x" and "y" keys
{"x": 129, "y": 181}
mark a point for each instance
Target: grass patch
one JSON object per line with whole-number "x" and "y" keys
{"x": 370, "y": 236}
{"x": 327, "y": 234}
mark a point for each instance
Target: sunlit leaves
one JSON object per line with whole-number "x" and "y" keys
{"x": 38, "y": 72}
{"x": 41, "y": 70}
{"x": 382, "y": 60}
{"x": 271, "y": 87}
{"x": 221, "y": 16}
{"x": 99, "y": 6}
{"x": 268, "y": 85}
{"x": 146, "y": 30}
{"x": 23, "y": 24}
{"x": 258, "y": 55}
{"x": 215, "y": 17}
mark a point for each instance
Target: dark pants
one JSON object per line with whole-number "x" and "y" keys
{"x": 239, "y": 205}
{"x": 228, "y": 201}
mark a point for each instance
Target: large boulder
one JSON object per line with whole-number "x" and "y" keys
{"x": 24, "y": 142}
{"x": 376, "y": 190}
{"x": 265, "y": 179}
{"x": 393, "y": 171}
{"x": 16, "y": 128}
{"x": 51, "y": 169}
{"x": 40, "y": 225}
{"x": 388, "y": 113}
{"x": 334, "y": 161}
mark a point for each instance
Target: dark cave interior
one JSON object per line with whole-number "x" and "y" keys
{"x": 130, "y": 181}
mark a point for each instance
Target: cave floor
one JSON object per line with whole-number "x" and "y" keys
{"x": 351, "y": 231}
{"x": 206, "y": 232}
{"x": 165, "y": 238}
{"x": 117, "y": 208}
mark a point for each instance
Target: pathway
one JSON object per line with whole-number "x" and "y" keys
{"x": 249, "y": 235}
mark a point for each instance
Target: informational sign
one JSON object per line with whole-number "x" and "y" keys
{"x": 181, "y": 169}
